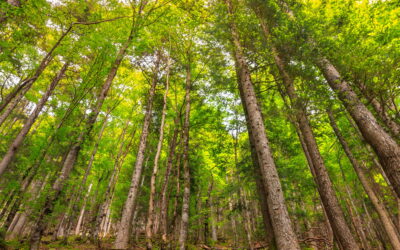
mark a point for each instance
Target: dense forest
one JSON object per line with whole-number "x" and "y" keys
{"x": 200, "y": 124}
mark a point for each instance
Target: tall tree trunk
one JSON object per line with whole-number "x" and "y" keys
{"x": 122, "y": 240}
{"x": 321, "y": 176}
{"x": 30, "y": 121}
{"x": 186, "y": 168}
{"x": 76, "y": 196}
{"x": 376, "y": 202}
{"x": 102, "y": 211}
{"x": 80, "y": 219}
{"x": 151, "y": 210}
{"x": 75, "y": 149}
{"x": 164, "y": 196}
{"x": 284, "y": 234}
{"x": 175, "y": 223}
{"x": 386, "y": 148}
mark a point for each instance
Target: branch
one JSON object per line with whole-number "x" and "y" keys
{"x": 100, "y": 21}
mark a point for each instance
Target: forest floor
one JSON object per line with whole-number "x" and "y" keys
{"x": 80, "y": 243}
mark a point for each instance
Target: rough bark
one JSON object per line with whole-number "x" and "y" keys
{"x": 321, "y": 176}
{"x": 186, "y": 169}
{"x": 284, "y": 234}
{"x": 30, "y": 121}
{"x": 386, "y": 148}
{"x": 122, "y": 240}
{"x": 384, "y": 216}
{"x": 379, "y": 109}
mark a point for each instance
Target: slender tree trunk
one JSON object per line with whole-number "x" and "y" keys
{"x": 21, "y": 217}
{"x": 151, "y": 210}
{"x": 246, "y": 216}
{"x": 386, "y": 148}
{"x": 102, "y": 211}
{"x": 214, "y": 233}
{"x": 78, "y": 225}
{"x": 186, "y": 168}
{"x": 12, "y": 106}
{"x": 29, "y": 122}
{"x": 233, "y": 223}
{"x": 378, "y": 205}
{"x": 284, "y": 234}
{"x": 74, "y": 152}
{"x": 28, "y": 82}
{"x": 175, "y": 223}
{"x": 122, "y": 240}
{"x": 164, "y": 196}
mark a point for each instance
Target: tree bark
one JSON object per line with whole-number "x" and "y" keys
{"x": 380, "y": 110}
{"x": 386, "y": 148}
{"x": 321, "y": 176}
{"x": 164, "y": 196}
{"x": 12, "y": 106}
{"x": 122, "y": 240}
{"x": 284, "y": 234}
{"x": 80, "y": 219}
{"x": 378, "y": 205}
{"x": 186, "y": 168}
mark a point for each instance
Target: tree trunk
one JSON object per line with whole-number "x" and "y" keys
{"x": 122, "y": 240}
{"x": 284, "y": 234}
{"x": 102, "y": 211}
{"x": 386, "y": 148}
{"x": 28, "y": 82}
{"x": 12, "y": 106}
{"x": 74, "y": 151}
{"x": 29, "y": 122}
{"x": 321, "y": 176}
{"x": 80, "y": 219}
{"x": 246, "y": 216}
{"x": 164, "y": 196}
{"x": 378, "y": 205}
{"x": 380, "y": 110}
{"x": 186, "y": 168}
{"x": 151, "y": 210}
